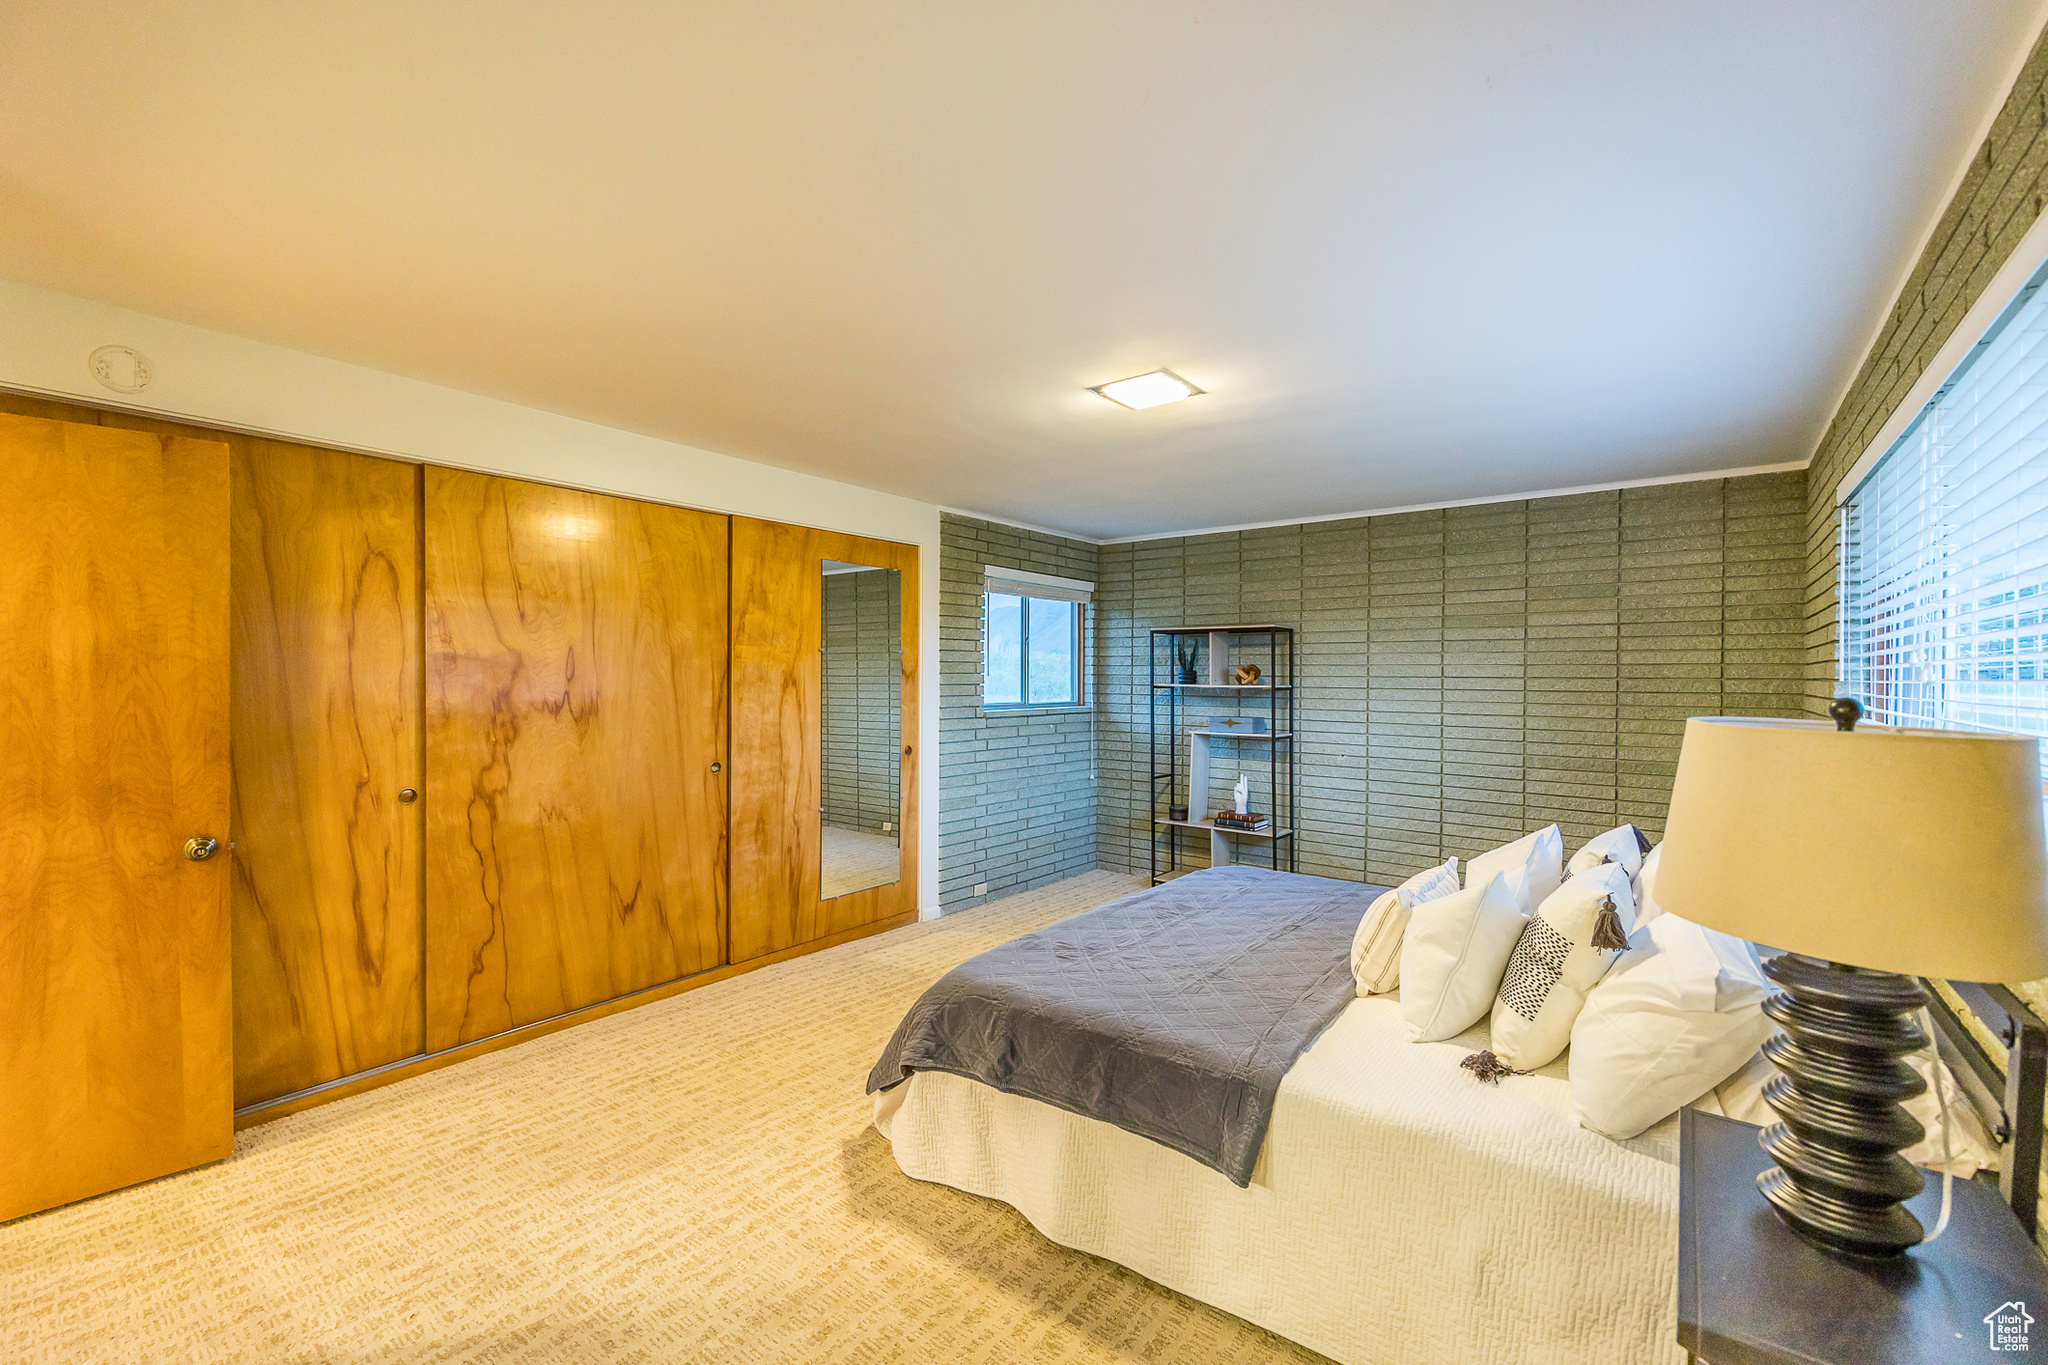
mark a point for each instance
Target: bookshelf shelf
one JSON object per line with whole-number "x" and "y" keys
{"x": 1223, "y": 829}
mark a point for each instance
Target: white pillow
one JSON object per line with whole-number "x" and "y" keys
{"x": 1971, "y": 1149}
{"x": 1376, "y": 947}
{"x": 1624, "y": 844}
{"x": 1452, "y": 959}
{"x": 1533, "y": 865}
{"x": 1647, "y": 908}
{"x": 1676, "y": 1016}
{"x": 1557, "y": 962}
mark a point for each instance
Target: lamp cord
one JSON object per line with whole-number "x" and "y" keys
{"x": 1940, "y": 1103}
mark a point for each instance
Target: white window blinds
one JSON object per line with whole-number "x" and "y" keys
{"x": 1944, "y": 566}
{"x": 1023, "y": 583}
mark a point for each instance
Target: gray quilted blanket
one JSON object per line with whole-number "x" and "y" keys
{"x": 1172, "y": 1013}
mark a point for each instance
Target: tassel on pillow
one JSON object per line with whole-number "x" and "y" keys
{"x": 1608, "y": 932}
{"x": 1489, "y": 1068}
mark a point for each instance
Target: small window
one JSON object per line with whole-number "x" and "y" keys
{"x": 1033, "y": 646}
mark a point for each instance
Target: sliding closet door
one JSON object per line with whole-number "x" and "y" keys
{"x": 327, "y": 767}
{"x": 114, "y": 1005}
{"x": 779, "y": 741}
{"x": 576, "y": 713}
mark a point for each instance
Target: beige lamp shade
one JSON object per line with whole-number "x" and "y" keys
{"x": 1916, "y": 851}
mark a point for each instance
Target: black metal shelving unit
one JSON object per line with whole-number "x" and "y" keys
{"x": 1219, "y": 650}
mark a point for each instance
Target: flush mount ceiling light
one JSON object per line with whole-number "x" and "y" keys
{"x": 1148, "y": 390}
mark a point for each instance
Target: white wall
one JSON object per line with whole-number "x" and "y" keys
{"x": 228, "y": 381}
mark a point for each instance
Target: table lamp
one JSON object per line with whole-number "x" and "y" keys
{"x": 1871, "y": 857}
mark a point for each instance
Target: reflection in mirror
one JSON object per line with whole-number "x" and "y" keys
{"x": 862, "y": 672}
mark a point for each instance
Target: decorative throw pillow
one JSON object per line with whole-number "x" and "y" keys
{"x": 1625, "y": 845}
{"x": 1647, "y": 908}
{"x": 1376, "y": 948}
{"x": 1453, "y": 956}
{"x": 1533, "y": 865}
{"x": 1570, "y": 943}
{"x": 1678, "y": 1014}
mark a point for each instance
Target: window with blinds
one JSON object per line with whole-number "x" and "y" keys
{"x": 1944, "y": 564}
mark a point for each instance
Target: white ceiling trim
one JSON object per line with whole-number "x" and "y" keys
{"x": 1743, "y": 472}
{"x": 1020, "y": 525}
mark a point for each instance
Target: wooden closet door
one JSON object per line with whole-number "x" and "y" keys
{"x": 114, "y": 960}
{"x": 777, "y": 737}
{"x": 327, "y": 675}
{"x": 576, "y": 705}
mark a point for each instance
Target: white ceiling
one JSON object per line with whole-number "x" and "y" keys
{"x": 1415, "y": 252}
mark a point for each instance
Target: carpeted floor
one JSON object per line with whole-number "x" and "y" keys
{"x": 694, "y": 1180}
{"x": 851, "y": 860}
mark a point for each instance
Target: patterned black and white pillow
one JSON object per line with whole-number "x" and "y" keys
{"x": 1571, "y": 941}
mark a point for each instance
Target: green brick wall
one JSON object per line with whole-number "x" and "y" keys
{"x": 860, "y": 693}
{"x": 1016, "y": 792}
{"x": 2000, "y": 197}
{"x": 1469, "y": 673}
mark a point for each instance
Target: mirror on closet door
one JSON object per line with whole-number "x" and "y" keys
{"x": 862, "y": 679}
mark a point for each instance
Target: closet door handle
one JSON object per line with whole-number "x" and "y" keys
{"x": 718, "y": 767}
{"x": 407, "y": 795}
{"x": 199, "y": 848}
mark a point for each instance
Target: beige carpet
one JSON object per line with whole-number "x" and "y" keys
{"x": 850, "y": 860}
{"x": 692, "y": 1180}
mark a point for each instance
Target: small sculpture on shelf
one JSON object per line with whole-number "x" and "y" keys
{"x": 1247, "y": 674}
{"x": 1184, "y": 660}
{"x": 1243, "y": 792}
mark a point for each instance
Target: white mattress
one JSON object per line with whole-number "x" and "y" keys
{"x": 1401, "y": 1211}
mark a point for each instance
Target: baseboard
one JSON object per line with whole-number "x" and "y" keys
{"x": 406, "y": 1068}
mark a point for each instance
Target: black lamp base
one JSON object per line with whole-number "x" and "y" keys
{"x": 1839, "y": 1179}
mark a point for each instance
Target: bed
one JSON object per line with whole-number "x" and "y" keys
{"x": 1398, "y": 1208}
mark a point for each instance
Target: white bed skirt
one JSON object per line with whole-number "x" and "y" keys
{"x": 1402, "y": 1211}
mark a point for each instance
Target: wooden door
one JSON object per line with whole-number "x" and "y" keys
{"x": 576, "y": 709}
{"x": 327, "y": 679}
{"x": 777, "y": 737}
{"x": 114, "y": 947}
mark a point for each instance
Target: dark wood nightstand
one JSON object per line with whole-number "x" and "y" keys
{"x": 1752, "y": 1292}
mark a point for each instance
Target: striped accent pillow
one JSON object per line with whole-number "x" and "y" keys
{"x": 1376, "y": 948}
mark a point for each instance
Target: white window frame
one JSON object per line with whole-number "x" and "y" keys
{"x": 1024, "y": 583}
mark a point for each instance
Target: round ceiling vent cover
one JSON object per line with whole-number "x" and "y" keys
{"x": 121, "y": 368}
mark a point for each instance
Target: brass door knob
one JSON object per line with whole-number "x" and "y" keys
{"x": 407, "y": 795}
{"x": 718, "y": 767}
{"x": 200, "y": 848}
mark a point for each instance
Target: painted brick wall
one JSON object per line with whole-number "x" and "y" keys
{"x": 862, "y": 679}
{"x": 1469, "y": 673}
{"x": 2000, "y": 197}
{"x": 1016, "y": 792}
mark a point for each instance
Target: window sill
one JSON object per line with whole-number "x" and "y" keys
{"x": 997, "y": 712}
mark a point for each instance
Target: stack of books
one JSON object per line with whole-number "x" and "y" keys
{"x": 1250, "y": 820}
